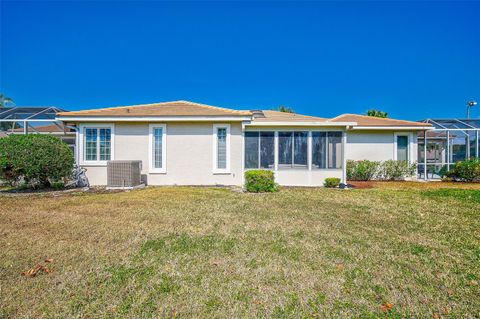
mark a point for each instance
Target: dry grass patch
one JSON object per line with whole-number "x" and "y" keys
{"x": 205, "y": 252}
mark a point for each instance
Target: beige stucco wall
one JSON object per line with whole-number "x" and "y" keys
{"x": 304, "y": 177}
{"x": 377, "y": 145}
{"x": 189, "y": 154}
{"x": 190, "y": 158}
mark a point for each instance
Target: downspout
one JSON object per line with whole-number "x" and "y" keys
{"x": 344, "y": 156}
{"x": 425, "y": 155}
{"x": 242, "y": 170}
{"x": 448, "y": 150}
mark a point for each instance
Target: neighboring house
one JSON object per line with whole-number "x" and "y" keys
{"x": 186, "y": 143}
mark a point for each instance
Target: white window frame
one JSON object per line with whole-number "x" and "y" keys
{"x": 151, "y": 139}
{"x": 409, "y": 145}
{"x": 82, "y": 137}
{"x": 217, "y": 170}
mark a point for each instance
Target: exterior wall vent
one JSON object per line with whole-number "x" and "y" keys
{"x": 124, "y": 174}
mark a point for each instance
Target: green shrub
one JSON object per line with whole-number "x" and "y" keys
{"x": 58, "y": 185}
{"x": 331, "y": 182}
{"x": 465, "y": 171}
{"x": 392, "y": 170}
{"x": 362, "y": 170}
{"x": 260, "y": 181}
{"x": 372, "y": 170}
{"x": 36, "y": 160}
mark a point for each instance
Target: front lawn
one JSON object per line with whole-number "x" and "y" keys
{"x": 404, "y": 250}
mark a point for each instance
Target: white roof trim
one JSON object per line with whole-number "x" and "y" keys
{"x": 396, "y": 128}
{"x": 152, "y": 118}
{"x": 287, "y": 123}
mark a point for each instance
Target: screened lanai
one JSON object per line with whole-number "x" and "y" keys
{"x": 451, "y": 141}
{"x": 27, "y": 118}
{"x": 40, "y": 120}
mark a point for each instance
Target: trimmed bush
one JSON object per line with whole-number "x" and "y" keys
{"x": 465, "y": 171}
{"x": 331, "y": 182}
{"x": 396, "y": 170}
{"x": 258, "y": 181}
{"x": 362, "y": 170}
{"x": 371, "y": 170}
{"x": 35, "y": 160}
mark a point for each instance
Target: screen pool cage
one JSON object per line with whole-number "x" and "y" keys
{"x": 451, "y": 141}
{"x": 35, "y": 120}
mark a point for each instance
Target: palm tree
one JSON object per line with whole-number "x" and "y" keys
{"x": 4, "y": 100}
{"x": 377, "y": 113}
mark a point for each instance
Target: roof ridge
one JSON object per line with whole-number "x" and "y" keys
{"x": 211, "y": 106}
{"x": 370, "y": 117}
{"x": 160, "y": 104}
{"x": 169, "y": 102}
{"x": 311, "y": 116}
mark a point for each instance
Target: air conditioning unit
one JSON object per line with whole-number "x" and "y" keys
{"x": 124, "y": 174}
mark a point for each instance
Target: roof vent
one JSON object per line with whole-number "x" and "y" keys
{"x": 258, "y": 114}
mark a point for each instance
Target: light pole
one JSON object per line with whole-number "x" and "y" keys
{"x": 470, "y": 104}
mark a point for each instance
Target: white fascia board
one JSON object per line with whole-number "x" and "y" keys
{"x": 394, "y": 128}
{"x": 153, "y": 119}
{"x": 328, "y": 124}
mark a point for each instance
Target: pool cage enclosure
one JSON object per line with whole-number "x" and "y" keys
{"x": 13, "y": 119}
{"x": 41, "y": 120}
{"x": 451, "y": 141}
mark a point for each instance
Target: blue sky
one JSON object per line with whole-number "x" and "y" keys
{"x": 411, "y": 59}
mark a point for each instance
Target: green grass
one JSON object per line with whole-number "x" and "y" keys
{"x": 206, "y": 252}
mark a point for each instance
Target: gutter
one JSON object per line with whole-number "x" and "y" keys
{"x": 326, "y": 124}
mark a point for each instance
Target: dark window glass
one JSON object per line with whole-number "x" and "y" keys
{"x": 267, "y": 149}
{"x": 300, "y": 149}
{"x": 319, "y": 150}
{"x": 402, "y": 148}
{"x": 251, "y": 149}
{"x": 334, "y": 149}
{"x": 285, "y": 141}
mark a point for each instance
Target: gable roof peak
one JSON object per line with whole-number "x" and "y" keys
{"x": 159, "y": 109}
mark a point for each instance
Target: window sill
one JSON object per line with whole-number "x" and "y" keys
{"x": 97, "y": 163}
{"x": 157, "y": 171}
{"x": 221, "y": 173}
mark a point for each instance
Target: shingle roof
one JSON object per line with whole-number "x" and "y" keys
{"x": 276, "y": 116}
{"x": 363, "y": 120}
{"x": 175, "y": 108}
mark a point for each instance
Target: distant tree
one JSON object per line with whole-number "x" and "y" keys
{"x": 4, "y": 100}
{"x": 377, "y": 113}
{"x": 285, "y": 109}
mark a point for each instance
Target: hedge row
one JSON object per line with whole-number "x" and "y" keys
{"x": 375, "y": 170}
{"x": 34, "y": 160}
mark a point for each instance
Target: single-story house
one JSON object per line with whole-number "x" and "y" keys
{"x": 186, "y": 143}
